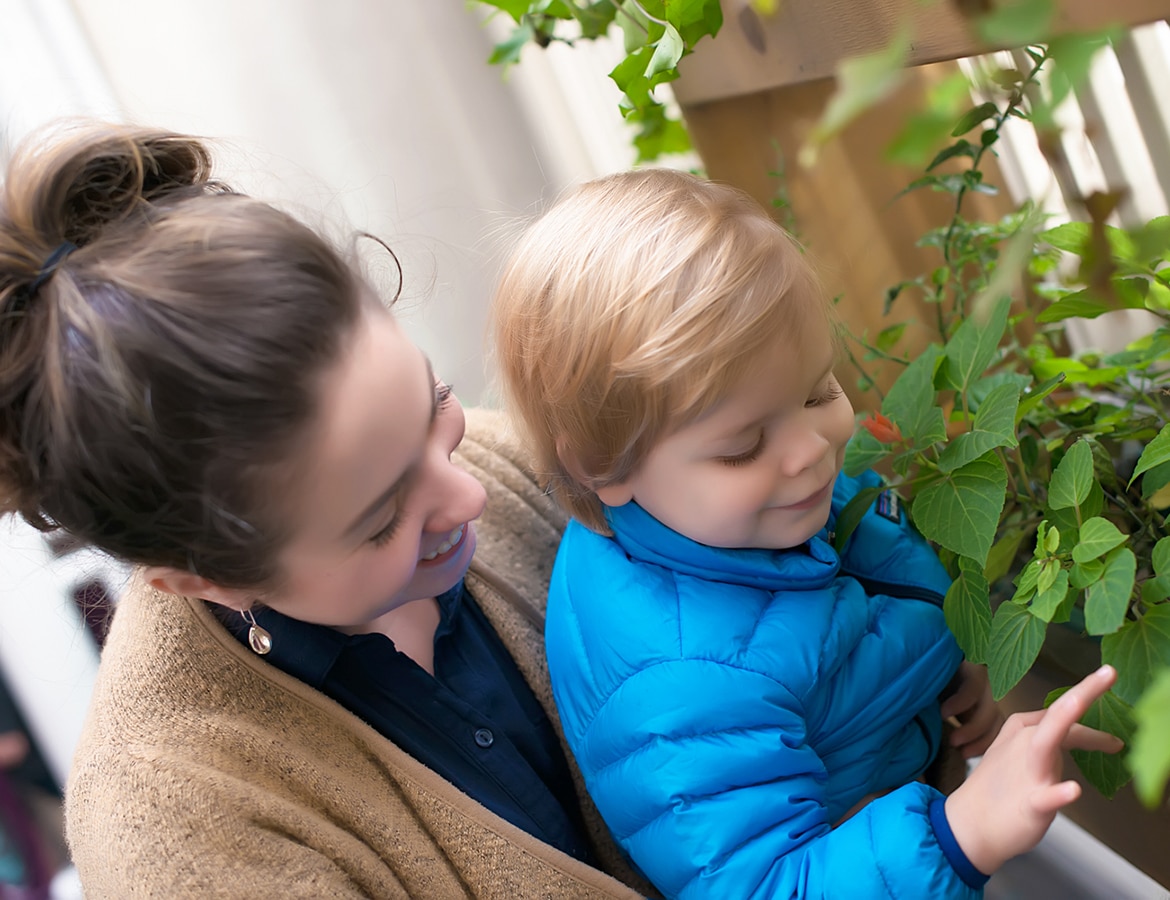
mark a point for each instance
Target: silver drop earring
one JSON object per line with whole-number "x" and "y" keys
{"x": 258, "y": 639}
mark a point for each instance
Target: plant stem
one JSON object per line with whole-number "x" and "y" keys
{"x": 1017, "y": 97}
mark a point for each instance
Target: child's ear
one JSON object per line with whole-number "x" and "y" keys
{"x": 188, "y": 584}
{"x": 610, "y": 494}
{"x": 615, "y": 494}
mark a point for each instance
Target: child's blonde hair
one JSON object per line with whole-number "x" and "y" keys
{"x": 628, "y": 310}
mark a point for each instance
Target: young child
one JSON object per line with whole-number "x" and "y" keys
{"x": 751, "y": 710}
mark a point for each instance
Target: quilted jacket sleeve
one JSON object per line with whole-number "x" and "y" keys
{"x": 734, "y": 806}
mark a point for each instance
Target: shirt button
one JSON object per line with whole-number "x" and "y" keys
{"x": 484, "y": 737}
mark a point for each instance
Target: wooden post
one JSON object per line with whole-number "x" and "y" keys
{"x": 751, "y": 96}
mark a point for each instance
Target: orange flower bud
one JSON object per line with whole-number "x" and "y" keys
{"x": 882, "y": 428}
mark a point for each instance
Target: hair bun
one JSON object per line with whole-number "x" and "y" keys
{"x": 76, "y": 183}
{"x": 70, "y": 187}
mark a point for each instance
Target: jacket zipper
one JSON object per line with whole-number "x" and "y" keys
{"x": 909, "y": 592}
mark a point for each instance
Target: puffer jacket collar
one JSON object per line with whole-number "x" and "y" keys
{"x": 811, "y": 566}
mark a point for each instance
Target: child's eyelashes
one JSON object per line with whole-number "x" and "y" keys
{"x": 831, "y": 392}
{"x": 443, "y": 394}
{"x": 742, "y": 459}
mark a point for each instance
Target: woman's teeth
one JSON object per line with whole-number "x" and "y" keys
{"x": 452, "y": 539}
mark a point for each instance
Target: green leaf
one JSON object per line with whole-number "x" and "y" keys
{"x": 1152, "y": 240}
{"x": 973, "y": 117}
{"x": 850, "y": 517}
{"x": 994, "y": 426}
{"x": 862, "y": 452}
{"x": 508, "y": 52}
{"x": 1072, "y": 55}
{"x": 695, "y": 19}
{"x": 1073, "y": 477}
{"x": 1052, "y": 540}
{"x": 958, "y": 149}
{"x": 1026, "y": 583}
{"x": 962, "y": 513}
{"x": 912, "y": 404}
{"x": 1161, "y": 556}
{"x": 1106, "y": 600}
{"x": 973, "y": 346}
{"x": 1107, "y": 772}
{"x": 1081, "y": 575}
{"x": 515, "y": 8}
{"x": 1079, "y": 304}
{"x": 1049, "y": 569}
{"x": 1048, "y": 599}
{"x": 1156, "y": 589}
{"x": 1016, "y": 637}
{"x": 967, "y": 609}
{"x": 1003, "y": 554}
{"x": 1017, "y": 24}
{"x": 659, "y": 135}
{"x": 1149, "y": 756}
{"x": 634, "y": 25}
{"x": 889, "y": 337}
{"x": 862, "y": 81}
{"x": 1155, "y": 453}
{"x": 667, "y": 52}
{"x": 1137, "y": 650}
{"x": 1153, "y": 480}
{"x": 1034, "y": 397}
{"x": 1071, "y": 237}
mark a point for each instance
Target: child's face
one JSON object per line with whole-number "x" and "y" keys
{"x": 756, "y": 470}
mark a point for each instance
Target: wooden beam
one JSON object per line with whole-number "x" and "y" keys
{"x": 806, "y": 39}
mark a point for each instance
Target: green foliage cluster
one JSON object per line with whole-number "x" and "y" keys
{"x": 1043, "y": 476}
{"x": 656, "y": 35}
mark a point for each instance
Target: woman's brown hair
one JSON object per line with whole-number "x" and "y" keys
{"x": 156, "y": 376}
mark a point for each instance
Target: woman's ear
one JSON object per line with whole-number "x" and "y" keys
{"x": 188, "y": 584}
{"x": 613, "y": 494}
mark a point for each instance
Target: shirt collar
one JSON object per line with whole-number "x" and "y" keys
{"x": 308, "y": 651}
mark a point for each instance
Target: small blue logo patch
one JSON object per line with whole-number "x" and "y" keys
{"x": 889, "y": 507}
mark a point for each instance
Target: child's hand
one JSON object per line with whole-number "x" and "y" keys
{"x": 979, "y": 716}
{"x": 1013, "y": 795}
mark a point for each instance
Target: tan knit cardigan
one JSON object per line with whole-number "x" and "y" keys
{"x": 205, "y": 772}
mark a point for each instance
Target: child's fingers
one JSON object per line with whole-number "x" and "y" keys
{"x": 1048, "y": 800}
{"x": 1060, "y": 717}
{"x": 1081, "y": 737}
{"x": 968, "y": 694}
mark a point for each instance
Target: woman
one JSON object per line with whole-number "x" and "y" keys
{"x": 311, "y": 689}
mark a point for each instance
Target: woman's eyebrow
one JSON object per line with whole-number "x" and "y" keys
{"x": 383, "y": 498}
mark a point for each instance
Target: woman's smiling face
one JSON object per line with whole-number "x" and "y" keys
{"x": 383, "y": 516}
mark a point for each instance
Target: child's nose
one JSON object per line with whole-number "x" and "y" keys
{"x": 803, "y": 450}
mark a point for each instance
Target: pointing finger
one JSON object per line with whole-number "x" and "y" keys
{"x": 1069, "y": 707}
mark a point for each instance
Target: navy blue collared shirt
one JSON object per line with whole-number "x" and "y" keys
{"x": 475, "y": 722}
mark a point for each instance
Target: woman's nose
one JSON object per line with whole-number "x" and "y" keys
{"x": 456, "y": 497}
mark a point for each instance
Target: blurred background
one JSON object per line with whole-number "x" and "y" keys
{"x": 379, "y": 116}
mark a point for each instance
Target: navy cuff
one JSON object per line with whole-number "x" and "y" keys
{"x": 970, "y": 876}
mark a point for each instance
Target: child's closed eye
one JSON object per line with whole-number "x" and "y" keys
{"x": 832, "y": 391}
{"x": 742, "y": 459}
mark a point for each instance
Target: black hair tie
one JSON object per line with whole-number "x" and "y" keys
{"x": 50, "y": 266}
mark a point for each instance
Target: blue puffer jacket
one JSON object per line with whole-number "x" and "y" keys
{"x": 727, "y": 707}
